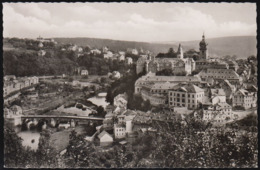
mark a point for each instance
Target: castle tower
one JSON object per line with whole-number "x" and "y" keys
{"x": 180, "y": 52}
{"x": 203, "y": 48}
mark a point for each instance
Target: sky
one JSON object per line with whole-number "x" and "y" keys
{"x": 147, "y": 22}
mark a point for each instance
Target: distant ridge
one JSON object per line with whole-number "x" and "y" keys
{"x": 241, "y": 46}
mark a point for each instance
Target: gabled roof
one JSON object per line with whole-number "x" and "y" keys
{"x": 189, "y": 88}
{"x": 217, "y": 92}
{"x": 103, "y": 133}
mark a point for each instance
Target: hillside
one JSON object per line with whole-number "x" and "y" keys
{"x": 117, "y": 44}
{"x": 241, "y": 46}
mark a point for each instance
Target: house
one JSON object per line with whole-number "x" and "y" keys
{"x": 64, "y": 125}
{"x": 129, "y": 60}
{"x": 132, "y": 51}
{"x": 40, "y": 45}
{"x": 84, "y": 72}
{"x": 244, "y": 98}
{"x": 9, "y": 77}
{"x": 228, "y": 88}
{"x": 17, "y": 110}
{"x": 121, "y": 58}
{"x": 73, "y": 48}
{"x": 105, "y": 138}
{"x": 116, "y": 75}
{"x": 95, "y": 51}
{"x": 185, "y": 95}
{"x": 41, "y": 53}
{"x": 104, "y": 49}
{"x": 232, "y": 65}
{"x": 119, "y": 131}
{"x": 218, "y": 114}
{"x": 108, "y": 54}
{"x": 121, "y": 100}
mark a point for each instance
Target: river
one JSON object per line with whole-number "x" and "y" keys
{"x": 99, "y": 100}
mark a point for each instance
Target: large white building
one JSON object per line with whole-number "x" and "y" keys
{"x": 185, "y": 95}
{"x": 244, "y": 98}
{"x": 220, "y": 75}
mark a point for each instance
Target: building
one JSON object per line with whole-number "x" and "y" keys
{"x": 129, "y": 60}
{"x": 132, "y": 51}
{"x": 228, "y": 88}
{"x": 9, "y": 77}
{"x": 218, "y": 114}
{"x": 150, "y": 79}
{"x": 108, "y": 55}
{"x": 232, "y": 65}
{"x": 95, "y": 51}
{"x": 217, "y": 96}
{"x": 84, "y": 72}
{"x": 177, "y": 65}
{"x": 41, "y": 53}
{"x": 116, "y": 75}
{"x": 104, "y": 49}
{"x": 119, "y": 131}
{"x": 105, "y": 138}
{"x": 203, "y": 48}
{"x": 220, "y": 75}
{"x": 185, "y": 95}
{"x": 244, "y": 98}
{"x": 205, "y": 64}
{"x": 180, "y": 52}
{"x": 121, "y": 58}
{"x": 121, "y": 101}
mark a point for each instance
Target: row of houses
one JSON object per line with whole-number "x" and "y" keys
{"x": 12, "y": 84}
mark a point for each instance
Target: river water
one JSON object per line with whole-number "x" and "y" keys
{"x": 99, "y": 100}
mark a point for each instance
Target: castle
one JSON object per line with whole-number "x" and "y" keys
{"x": 177, "y": 65}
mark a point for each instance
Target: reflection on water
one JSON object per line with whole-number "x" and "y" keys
{"x": 28, "y": 137}
{"x": 75, "y": 110}
{"x": 99, "y": 101}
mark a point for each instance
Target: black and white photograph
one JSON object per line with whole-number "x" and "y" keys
{"x": 129, "y": 85}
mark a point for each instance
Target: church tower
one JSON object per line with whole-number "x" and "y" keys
{"x": 180, "y": 52}
{"x": 203, "y": 48}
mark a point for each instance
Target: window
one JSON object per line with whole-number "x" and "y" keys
{"x": 178, "y": 95}
{"x": 183, "y": 95}
{"x": 193, "y": 96}
{"x": 188, "y": 95}
{"x": 178, "y": 100}
{"x": 183, "y": 100}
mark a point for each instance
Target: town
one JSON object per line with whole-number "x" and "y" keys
{"x": 120, "y": 107}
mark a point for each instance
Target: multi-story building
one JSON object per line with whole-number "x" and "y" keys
{"x": 204, "y": 64}
{"x": 217, "y": 114}
{"x": 150, "y": 79}
{"x": 177, "y": 65}
{"x": 220, "y": 75}
{"x": 129, "y": 60}
{"x": 185, "y": 95}
{"x": 228, "y": 88}
{"x": 244, "y": 98}
{"x": 232, "y": 65}
{"x": 119, "y": 131}
{"x": 121, "y": 100}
